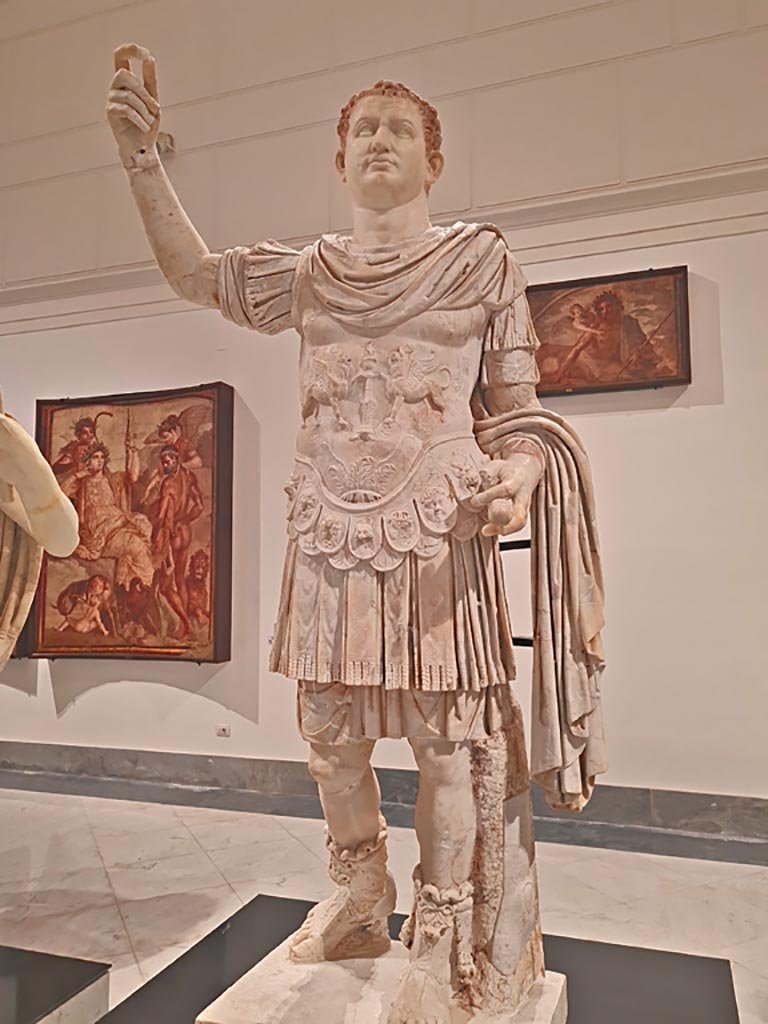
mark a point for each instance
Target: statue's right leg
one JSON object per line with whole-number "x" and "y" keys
{"x": 349, "y": 790}
{"x": 353, "y": 921}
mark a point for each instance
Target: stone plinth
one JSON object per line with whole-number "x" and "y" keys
{"x": 278, "y": 991}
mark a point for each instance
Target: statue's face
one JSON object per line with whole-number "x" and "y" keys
{"x": 385, "y": 162}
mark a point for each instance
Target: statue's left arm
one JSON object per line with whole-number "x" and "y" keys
{"x": 508, "y": 380}
{"x": 539, "y": 452}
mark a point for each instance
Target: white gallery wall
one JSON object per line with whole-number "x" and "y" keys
{"x": 603, "y": 137}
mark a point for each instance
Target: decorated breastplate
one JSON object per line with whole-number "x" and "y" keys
{"x": 432, "y": 500}
{"x": 386, "y": 456}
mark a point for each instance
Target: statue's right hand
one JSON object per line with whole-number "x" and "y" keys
{"x": 133, "y": 110}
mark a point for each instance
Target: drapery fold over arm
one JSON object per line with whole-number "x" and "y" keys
{"x": 256, "y": 286}
{"x": 567, "y": 738}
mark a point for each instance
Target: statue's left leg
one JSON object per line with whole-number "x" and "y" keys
{"x": 445, "y": 811}
{"x": 441, "y": 928}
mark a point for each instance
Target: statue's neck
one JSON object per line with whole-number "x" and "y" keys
{"x": 388, "y": 227}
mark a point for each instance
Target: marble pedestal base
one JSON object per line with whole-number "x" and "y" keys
{"x": 278, "y": 991}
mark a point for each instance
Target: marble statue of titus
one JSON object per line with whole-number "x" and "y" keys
{"x": 35, "y": 516}
{"x": 421, "y": 442}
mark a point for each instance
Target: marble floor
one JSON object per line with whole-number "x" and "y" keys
{"x": 137, "y": 885}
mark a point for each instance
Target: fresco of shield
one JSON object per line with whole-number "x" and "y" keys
{"x": 150, "y": 475}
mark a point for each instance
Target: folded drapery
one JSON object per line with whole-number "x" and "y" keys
{"x": 20, "y": 561}
{"x": 567, "y": 739}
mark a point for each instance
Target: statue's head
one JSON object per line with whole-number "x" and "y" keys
{"x": 389, "y": 146}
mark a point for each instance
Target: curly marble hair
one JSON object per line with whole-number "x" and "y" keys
{"x": 433, "y": 137}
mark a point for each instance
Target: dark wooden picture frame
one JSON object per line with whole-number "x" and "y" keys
{"x": 616, "y": 332}
{"x": 151, "y": 475}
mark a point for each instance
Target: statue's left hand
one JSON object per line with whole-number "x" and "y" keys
{"x": 507, "y": 491}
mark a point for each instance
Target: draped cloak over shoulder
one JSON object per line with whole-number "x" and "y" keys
{"x": 380, "y": 288}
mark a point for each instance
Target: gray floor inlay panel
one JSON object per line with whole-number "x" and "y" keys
{"x": 743, "y": 817}
{"x": 37, "y": 987}
{"x": 569, "y": 830}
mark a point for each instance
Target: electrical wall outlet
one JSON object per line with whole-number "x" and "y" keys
{"x": 224, "y": 731}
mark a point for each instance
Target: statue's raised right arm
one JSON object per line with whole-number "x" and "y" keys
{"x": 133, "y": 112}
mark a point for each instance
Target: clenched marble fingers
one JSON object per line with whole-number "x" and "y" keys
{"x": 133, "y": 109}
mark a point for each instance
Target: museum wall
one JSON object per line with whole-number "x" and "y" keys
{"x": 603, "y": 137}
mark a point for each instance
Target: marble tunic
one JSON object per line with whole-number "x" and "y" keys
{"x": 392, "y": 609}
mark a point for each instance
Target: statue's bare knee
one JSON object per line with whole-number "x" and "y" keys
{"x": 441, "y": 762}
{"x": 339, "y": 768}
{"x": 445, "y": 811}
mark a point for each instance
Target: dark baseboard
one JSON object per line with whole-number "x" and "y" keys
{"x": 708, "y": 826}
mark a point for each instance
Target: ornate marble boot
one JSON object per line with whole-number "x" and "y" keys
{"x": 352, "y": 923}
{"x": 439, "y": 935}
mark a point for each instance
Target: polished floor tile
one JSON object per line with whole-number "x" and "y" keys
{"x": 176, "y": 919}
{"x": 138, "y": 885}
{"x": 179, "y": 874}
{"x": 123, "y": 848}
{"x": 264, "y": 859}
{"x": 234, "y": 830}
{"x": 751, "y": 993}
{"x": 311, "y": 884}
{"x": 68, "y": 923}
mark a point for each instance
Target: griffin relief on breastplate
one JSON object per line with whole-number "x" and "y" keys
{"x": 328, "y": 383}
{"x": 366, "y": 392}
{"x": 413, "y": 380}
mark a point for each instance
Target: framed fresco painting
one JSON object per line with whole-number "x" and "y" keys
{"x": 613, "y": 333}
{"x": 150, "y": 474}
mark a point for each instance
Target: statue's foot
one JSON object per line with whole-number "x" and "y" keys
{"x": 421, "y": 998}
{"x": 336, "y": 930}
{"x": 439, "y": 934}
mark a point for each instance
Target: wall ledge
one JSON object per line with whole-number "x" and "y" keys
{"x": 723, "y": 203}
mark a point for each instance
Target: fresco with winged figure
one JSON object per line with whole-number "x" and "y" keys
{"x": 150, "y": 476}
{"x": 617, "y": 332}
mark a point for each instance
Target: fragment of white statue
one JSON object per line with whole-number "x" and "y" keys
{"x": 35, "y": 516}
